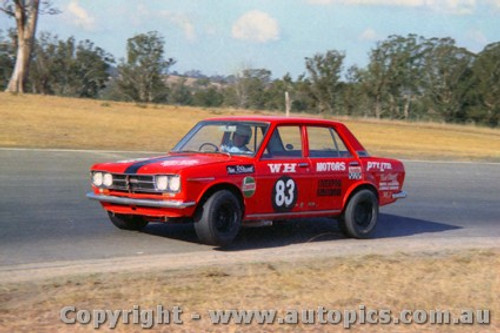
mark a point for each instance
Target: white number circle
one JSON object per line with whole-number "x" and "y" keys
{"x": 285, "y": 194}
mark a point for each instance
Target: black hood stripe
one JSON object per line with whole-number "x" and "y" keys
{"x": 132, "y": 169}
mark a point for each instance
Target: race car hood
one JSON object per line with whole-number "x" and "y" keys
{"x": 168, "y": 164}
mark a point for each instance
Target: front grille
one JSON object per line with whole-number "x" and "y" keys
{"x": 133, "y": 183}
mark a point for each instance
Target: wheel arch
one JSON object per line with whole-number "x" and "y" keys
{"x": 355, "y": 189}
{"x": 218, "y": 187}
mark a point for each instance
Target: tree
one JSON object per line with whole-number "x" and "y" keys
{"x": 324, "y": 77}
{"x": 25, "y": 12}
{"x": 486, "y": 69}
{"x": 446, "y": 79}
{"x": 63, "y": 67}
{"x": 7, "y": 51}
{"x": 393, "y": 75}
{"x": 247, "y": 89}
{"x": 207, "y": 93}
{"x": 141, "y": 77}
{"x": 180, "y": 93}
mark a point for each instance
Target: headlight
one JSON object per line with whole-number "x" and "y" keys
{"x": 174, "y": 184}
{"x": 107, "y": 179}
{"x": 161, "y": 183}
{"x": 168, "y": 183}
{"x": 97, "y": 178}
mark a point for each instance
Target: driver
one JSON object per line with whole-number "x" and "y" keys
{"x": 241, "y": 137}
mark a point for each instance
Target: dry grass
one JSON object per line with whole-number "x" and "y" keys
{"x": 445, "y": 281}
{"x": 55, "y": 122}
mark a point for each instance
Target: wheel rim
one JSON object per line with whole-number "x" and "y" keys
{"x": 363, "y": 213}
{"x": 225, "y": 218}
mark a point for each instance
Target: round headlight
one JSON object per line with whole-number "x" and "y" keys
{"x": 161, "y": 183}
{"x": 97, "y": 178}
{"x": 175, "y": 183}
{"x": 107, "y": 179}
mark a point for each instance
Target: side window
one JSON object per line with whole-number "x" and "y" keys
{"x": 325, "y": 142}
{"x": 286, "y": 141}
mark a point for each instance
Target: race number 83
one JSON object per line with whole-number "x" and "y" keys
{"x": 284, "y": 194}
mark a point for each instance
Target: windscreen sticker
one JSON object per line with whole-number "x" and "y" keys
{"x": 284, "y": 194}
{"x": 248, "y": 187}
{"x": 355, "y": 173}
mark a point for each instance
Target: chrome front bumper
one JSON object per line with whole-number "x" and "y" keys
{"x": 141, "y": 202}
{"x": 399, "y": 195}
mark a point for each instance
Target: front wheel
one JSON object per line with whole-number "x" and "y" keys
{"x": 219, "y": 220}
{"x": 361, "y": 215}
{"x": 127, "y": 222}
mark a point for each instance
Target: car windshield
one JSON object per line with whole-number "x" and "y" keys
{"x": 228, "y": 137}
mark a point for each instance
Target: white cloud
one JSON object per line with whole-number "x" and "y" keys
{"x": 495, "y": 3}
{"x": 408, "y": 3}
{"x": 182, "y": 22}
{"x": 256, "y": 26}
{"x": 369, "y": 35}
{"x": 79, "y": 16}
{"x": 477, "y": 37}
{"x": 457, "y": 7}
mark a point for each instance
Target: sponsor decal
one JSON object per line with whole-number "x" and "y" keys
{"x": 240, "y": 169}
{"x": 282, "y": 167}
{"x": 355, "y": 172}
{"x": 174, "y": 162}
{"x": 381, "y": 166}
{"x": 329, "y": 188}
{"x": 330, "y": 166}
{"x": 284, "y": 194}
{"x": 133, "y": 160}
{"x": 389, "y": 182}
{"x": 249, "y": 187}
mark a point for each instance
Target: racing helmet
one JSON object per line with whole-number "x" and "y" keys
{"x": 244, "y": 130}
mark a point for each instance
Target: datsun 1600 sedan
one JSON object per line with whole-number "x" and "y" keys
{"x": 231, "y": 171}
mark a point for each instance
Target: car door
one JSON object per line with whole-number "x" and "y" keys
{"x": 333, "y": 168}
{"x": 282, "y": 175}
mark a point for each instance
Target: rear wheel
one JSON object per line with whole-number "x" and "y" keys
{"x": 127, "y": 222}
{"x": 219, "y": 220}
{"x": 361, "y": 215}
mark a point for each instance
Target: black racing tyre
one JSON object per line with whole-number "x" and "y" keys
{"x": 219, "y": 220}
{"x": 360, "y": 215}
{"x": 127, "y": 222}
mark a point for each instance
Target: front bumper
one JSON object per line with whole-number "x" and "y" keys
{"x": 399, "y": 195}
{"x": 141, "y": 202}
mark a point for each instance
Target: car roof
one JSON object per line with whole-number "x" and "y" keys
{"x": 276, "y": 119}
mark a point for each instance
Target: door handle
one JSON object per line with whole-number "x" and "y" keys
{"x": 354, "y": 164}
{"x": 303, "y": 165}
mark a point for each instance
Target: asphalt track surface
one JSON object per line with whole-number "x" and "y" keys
{"x": 45, "y": 217}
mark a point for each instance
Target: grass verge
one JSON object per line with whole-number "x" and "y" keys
{"x": 445, "y": 281}
{"x": 56, "y": 122}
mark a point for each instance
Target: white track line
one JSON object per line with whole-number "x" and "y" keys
{"x": 55, "y": 150}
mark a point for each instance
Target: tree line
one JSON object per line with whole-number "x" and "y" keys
{"x": 407, "y": 77}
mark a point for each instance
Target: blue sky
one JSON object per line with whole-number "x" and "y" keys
{"x": 225, "y": 36}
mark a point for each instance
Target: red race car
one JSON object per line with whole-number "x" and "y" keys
{"x": 231, "y": 171}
